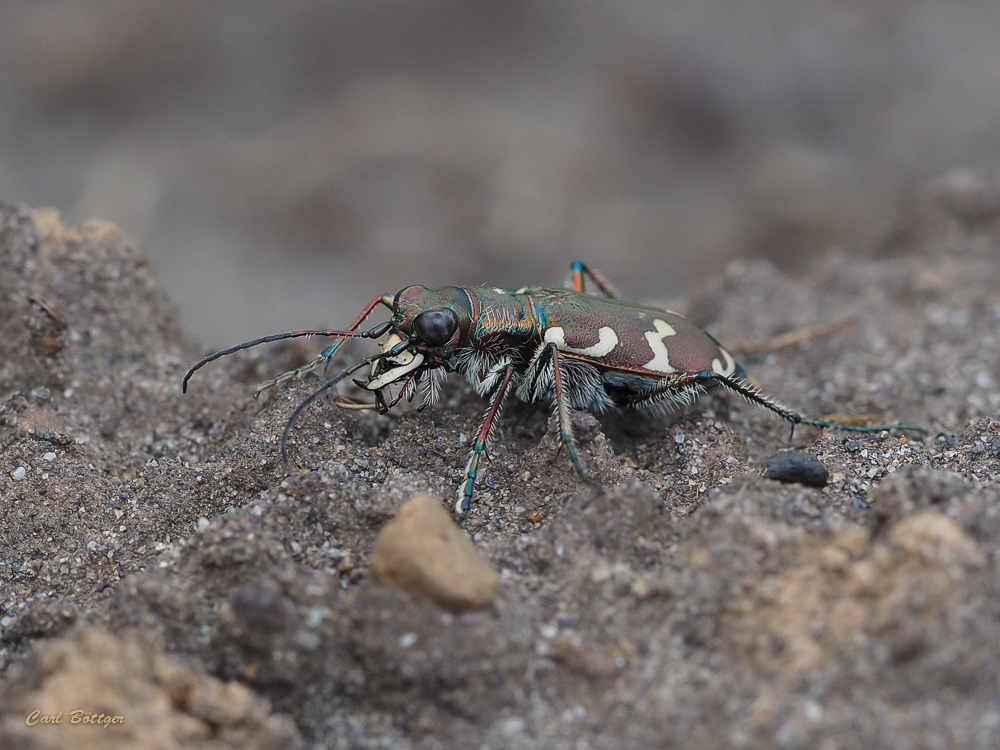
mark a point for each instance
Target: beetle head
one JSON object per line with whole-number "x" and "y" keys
{"x": 428, "y": 325}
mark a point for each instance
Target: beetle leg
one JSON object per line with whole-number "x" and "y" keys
{"x": 563, "y": 417}
{"x": 479, "y": 447}
{"x": 580, "y": 271}
{"x": 754, "y": 396}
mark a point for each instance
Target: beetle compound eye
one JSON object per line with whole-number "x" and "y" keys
{"x": 435, "y": 327}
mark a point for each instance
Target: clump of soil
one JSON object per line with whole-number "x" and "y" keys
{"x": 161, "y": 538}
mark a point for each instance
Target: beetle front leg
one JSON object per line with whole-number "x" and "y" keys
{"x": 479, "y": 447}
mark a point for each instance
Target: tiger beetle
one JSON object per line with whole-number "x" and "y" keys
{"x": 577, "y": 350}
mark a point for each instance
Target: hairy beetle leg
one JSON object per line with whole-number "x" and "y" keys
{"x": 706, "y": 378}
{"x": 753, "y": 395}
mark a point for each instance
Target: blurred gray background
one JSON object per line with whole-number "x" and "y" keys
{"x": 285, "y": 162}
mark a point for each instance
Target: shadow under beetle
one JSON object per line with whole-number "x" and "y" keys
{"x": 577, "y": 350}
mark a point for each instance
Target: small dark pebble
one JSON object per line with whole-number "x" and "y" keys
{"x": 797, "y": 466}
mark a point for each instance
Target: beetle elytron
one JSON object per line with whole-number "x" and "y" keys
{"x": 578, "y": 350}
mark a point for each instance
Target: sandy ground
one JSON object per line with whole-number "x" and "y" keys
{"x": 160, "y": 563}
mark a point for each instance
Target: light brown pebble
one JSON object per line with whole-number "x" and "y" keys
{"x": 423, "y": 553}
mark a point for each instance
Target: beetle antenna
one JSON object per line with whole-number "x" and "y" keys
{"x": 373, "y": 333}
{"x": 395, "y": 351}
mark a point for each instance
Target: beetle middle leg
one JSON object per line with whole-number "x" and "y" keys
{"x": 563, "y": 415}
{"x": 546, "y": 374}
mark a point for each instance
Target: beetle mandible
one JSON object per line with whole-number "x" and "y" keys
{"x": 577, "y": 350}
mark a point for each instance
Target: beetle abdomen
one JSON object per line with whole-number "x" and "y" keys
{"x": 633, "y": 338}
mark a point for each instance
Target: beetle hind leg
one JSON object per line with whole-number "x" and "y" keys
{"x": 754, "y": 395}
{"x": 706, "y": 378}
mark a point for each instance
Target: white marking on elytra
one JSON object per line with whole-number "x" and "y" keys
{"x": 661, "y": 358}
{"x": 607, "y": 340}
{"x": 730, "y": 367}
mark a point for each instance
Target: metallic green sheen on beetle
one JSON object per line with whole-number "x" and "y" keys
{"x": 564, "y": 346}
